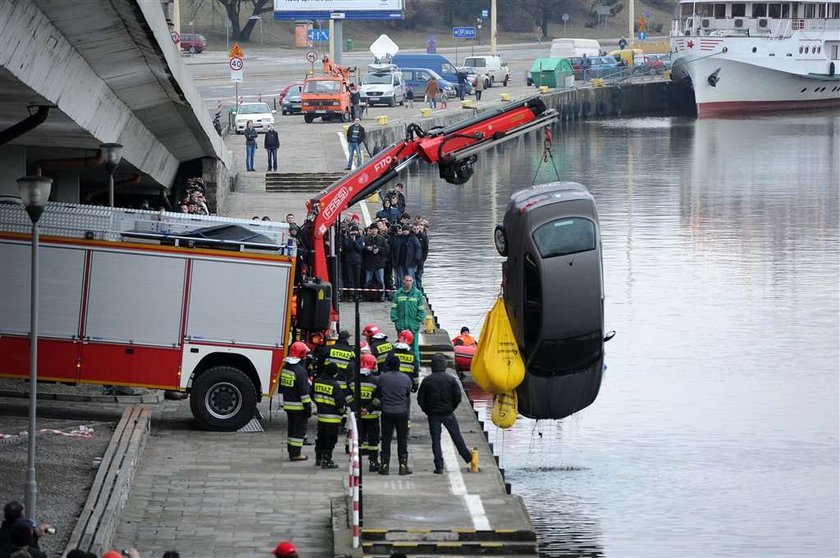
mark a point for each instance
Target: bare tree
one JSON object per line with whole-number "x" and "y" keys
{"x": 234, "y": 10}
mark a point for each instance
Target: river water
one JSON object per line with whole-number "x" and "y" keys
{"x": 716, "y": 429}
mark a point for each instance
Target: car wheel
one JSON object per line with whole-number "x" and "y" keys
{"x": 505, "y": 83}
{"x": 345, "y": 116}
{"x": 223, "y": 398}
{"x": 500, "y": 240}
{"x": 392, "y": 102}
{"x": 192, "y": 50}
{"x": 488, "y": 84}
{"x": 308, "y": 118}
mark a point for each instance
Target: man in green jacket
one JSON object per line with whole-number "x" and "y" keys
{"x": 407, "y": 311}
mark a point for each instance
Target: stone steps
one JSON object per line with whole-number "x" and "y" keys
{"x": 300, "y": 181}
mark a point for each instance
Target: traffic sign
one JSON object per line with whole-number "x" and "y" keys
{"x": 236, "y": 51}
{"x": 236, "y": 77}
{"x": 485, "y": 14}
{"x": 236, "y": 64}
{"x": 311, "y": 56}
{"x": 318, "y": 35}
{"x": 463, "y": 32}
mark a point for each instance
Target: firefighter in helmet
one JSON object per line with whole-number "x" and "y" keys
{"x": 342, "y": 354}
{"x": 370, "y": 406}
{"x": 408, "y": 361}
{"x": 294, "y": 385}
{"x": 380, "y": 347}
{"x": 329, "y": 398}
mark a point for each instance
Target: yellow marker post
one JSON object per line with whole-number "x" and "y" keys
{"x": 425, "y": 112}
{"x": 598, "y": 82}
{"x": 467, "y": 104}
{"x": 543, "y": 89}
{"x": 430, "y": 324}
{"x": 382, "y": 120}
{"x": 505, "y": 96}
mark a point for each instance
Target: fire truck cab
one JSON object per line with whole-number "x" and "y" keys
{"x": 168, "y": 301}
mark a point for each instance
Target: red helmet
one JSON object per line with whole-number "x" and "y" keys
{"x": 285, "y": 549}
{"x": 369, "y": 361}
{"x": 112, "y": 554}
{"x": 364, "y": 348}
{"x": 298, "y": 350}
{"x": 406, "y": 337}
{"x": 370, "y": 330}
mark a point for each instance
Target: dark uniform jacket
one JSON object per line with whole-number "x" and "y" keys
{"x": 329, "y": 398}
{"x": 439, "y": 394}
{"x": 369, "y": 402}
{"x": 343, "y": 355}
{"x": 294, "y": 385}
{"x": 381, "y": 348}
{"x": 395, "y": 393}
{"x": 408, "y": 364}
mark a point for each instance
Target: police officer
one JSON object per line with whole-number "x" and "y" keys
{"x": 370, "y": 405}
{"x": 380, "y": 347}
{"x": 341, "y": 354}
{"x": 294, "y": 385}
{"x": 408, "y": 361}
{"x": 329, "y": 398}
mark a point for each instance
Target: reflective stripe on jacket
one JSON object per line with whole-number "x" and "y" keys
{"x": 368, "y": 399}
{"x": 329, "y": 398}
{"x": 408, "y": 364}
{"x": 294, "y": 386}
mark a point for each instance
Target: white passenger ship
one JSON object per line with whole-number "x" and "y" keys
{"x": 752, "y": 56}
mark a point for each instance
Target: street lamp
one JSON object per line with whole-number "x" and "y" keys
{"x": 34, "y": 192}
{"x": 112, "y": 153}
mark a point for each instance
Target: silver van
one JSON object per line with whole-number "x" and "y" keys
{"x": 384, "y": 85}
{"x": 554, "y": 296}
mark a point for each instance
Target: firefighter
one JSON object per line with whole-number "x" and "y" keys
{"x": 408, "y": 362}
{"x": 380, "y": 347}
{"x": 370, "y": 405}
{"x": 294, "y": 385}
{"x": 329, "y": 398}
{"x": 342, "y": 354}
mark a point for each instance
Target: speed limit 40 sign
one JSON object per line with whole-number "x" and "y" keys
{"x": 236, "y": 64}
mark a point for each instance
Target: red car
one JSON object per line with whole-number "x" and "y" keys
{"x": 285, "y": 90}
{"x": 193, "y": 42}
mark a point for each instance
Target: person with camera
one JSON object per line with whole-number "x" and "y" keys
{"x": 294, "y": 385}
{"x": 353, "y": 247}
{"x": 373, "y": 258}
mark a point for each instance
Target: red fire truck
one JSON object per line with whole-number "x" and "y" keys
{"x": 200, "y": 304}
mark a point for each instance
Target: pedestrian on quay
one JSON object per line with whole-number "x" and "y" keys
{"x": 398, "y": 193}
{"x": 294, "y": 385}
{"x": 423, "y": 238}
{"x": 271, "y": 142}
{"x": 394, "y": 391}
{"x": 438, "y": 397}
{"x": 285, "y": 549}
{"x": 355, "y": 101}
{"x": 388, "y": 211}
{"x": 408, "y": 311}
{"x": 479, "y": 85}
{"x": 370, "y": 410}
{"x": 250, "y": 145}
{"x": 432, "y": 93}
{"x": 373, "y": 260}
{"x": 352, "y": 248}
{"x": 409, "y": 97}
{"x": 462, "y": 82}
{"x": 442, "y": 98}
{"x": 412, "y": 253}
{"x": 396, "y": 240}
{"x": 330, "y": 401}
{"x": 355, "y": 138}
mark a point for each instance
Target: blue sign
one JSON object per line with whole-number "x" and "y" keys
{"x": 318, "y": 35}
{"x": 463, "y": 32}
{"x": 642, "y": 35}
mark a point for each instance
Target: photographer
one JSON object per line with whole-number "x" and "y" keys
{"x": 374, "y": 255}
{"x": 352, "y": 246}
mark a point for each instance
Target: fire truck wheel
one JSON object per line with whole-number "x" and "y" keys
{"x": 223, "y": 398}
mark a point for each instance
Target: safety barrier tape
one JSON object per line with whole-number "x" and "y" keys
{"x": 78, "y": 432}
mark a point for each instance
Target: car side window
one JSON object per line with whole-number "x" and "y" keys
{"x": 422, "y": 76}
{"x": 565, "y": 236}
{"x": 448, "y": 69}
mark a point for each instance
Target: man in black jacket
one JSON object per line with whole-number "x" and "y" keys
{"x": 271, "y": 144}
{"x": 394, "y": 391}
{"x": 439, "y": 396}
{"x": 355, "y": 138}
{"x": 373, "y": 259}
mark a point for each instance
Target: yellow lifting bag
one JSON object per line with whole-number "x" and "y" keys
{"x": 497, "y": 366}
{"x": 505, "y": 410}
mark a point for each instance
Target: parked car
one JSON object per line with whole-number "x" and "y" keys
{"x": 493, "y": 67}
{"x": 418, "y": 79}
{"x": 193, "y": 42}
{"x": 285, "y": 89}
{"x": 602, "y": 66}
{"x": 291, "y": 103}
{"x": 258, "y": 113}
{"x": 435, "y": 62}
{"x": 384, "y": 84}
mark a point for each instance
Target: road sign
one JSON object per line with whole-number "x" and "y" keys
{"x": 485, "y": 14}
{"x": 176, "y": 38}
{"x": 463, "y": 32}
{"x": 318, "y": 35}
{"x": 311, "y": 56}
{"x": 236, "y": 64}
{"x": 236, "y": 51}
{"x": 565, "y": 18}
{"x": 236, "y": 77}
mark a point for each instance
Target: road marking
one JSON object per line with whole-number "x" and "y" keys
{"x": 343, "y": 139}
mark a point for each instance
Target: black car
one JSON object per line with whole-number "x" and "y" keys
{"x": 554, "y": 296}
{"x": 291, "y": 101}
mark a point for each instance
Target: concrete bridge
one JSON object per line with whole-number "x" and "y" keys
{"x": 109, "y": 72}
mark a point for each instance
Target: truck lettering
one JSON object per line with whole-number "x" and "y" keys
{"x": 337, "y": 202}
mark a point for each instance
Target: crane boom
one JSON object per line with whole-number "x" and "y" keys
{"x": 452, "y": 148}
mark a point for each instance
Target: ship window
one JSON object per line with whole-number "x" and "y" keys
{"x": 759, "y": 10}
{"x": 834, "y": 12}
{"x": 774, "y": 11}
{"x": 810, "y": 11}
{"x": 565, "y": 236}
{"x": 822, "y": 11}
{"x": 785, "y": 11}
{"x": 801, "y": 50}
{"x": 705, "y": 10}
{"x": 739, "y": 10}
{"x": 720, "y": 11}
{"x": 686, "y": 10}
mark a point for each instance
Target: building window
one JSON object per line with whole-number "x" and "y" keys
{"x": 739, "y": 10}
{"x": 774, "y": 11}
{"x": 720, "y": 11}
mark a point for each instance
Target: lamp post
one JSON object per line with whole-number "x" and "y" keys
{"x": 34, "y": 191}
{"x": 112, "y": 152}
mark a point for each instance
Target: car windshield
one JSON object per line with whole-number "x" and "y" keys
{"x": 377, "y": 78}
{"x": 565, "y": 236}
{"x": 254, "y": 108}
{"x": 322, "y": 86}
{"x": 476, "y": 62}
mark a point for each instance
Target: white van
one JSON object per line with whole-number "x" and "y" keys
{"x": 567, "y": 48}
{"x": 384, "y": 85}
{"x": 492, "y": 66}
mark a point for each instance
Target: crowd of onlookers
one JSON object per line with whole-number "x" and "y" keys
{"x": 193, "y": 200}
{"x": 377, "y": 257}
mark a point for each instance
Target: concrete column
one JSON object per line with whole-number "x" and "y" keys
{"x": 332, "y": 42}
{"x": 339, "y": 39}
{"x": 12, "y": 167}
{"x": 493, "y": 27}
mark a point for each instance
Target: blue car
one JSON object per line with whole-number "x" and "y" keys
{"x": 418, "y": 79}
{"x": 602, "y": 66}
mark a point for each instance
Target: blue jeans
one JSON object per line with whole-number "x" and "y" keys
{"x": 249, "y": 156}
{"x": 379, "y": 273}
{"x": 355, "y": 148}
{"x": 272, "y": 158}
{"x": 432, "y": 102}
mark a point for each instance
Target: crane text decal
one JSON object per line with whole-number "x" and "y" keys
{"x": 336, "y": 202}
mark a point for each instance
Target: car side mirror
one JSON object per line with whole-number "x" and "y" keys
{"x": 609, "y": 335}
{"x": 273, "y": 111}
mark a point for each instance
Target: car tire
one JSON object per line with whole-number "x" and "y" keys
{"x": 192, "y": 50}
{"x": 392, "y": 102}
{"x": 507, "y": 79}
{"x": 345, "y": 116}
{"x": 223, "y": 398}
{"x": 500, "y": 240}
{"x": 308, "y": 118}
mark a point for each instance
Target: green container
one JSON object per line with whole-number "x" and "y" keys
{"x": 552, "y": 72}
{"x": 349, "y": 44}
